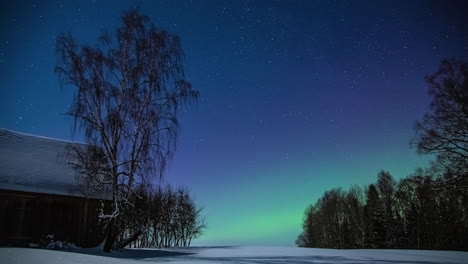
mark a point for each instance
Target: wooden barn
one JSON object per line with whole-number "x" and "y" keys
{"x": 40, "y": 193}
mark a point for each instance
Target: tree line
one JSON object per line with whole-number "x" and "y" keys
{"x": 166, "y": 217}
{"x": 426, "y": 210}
{"x": 409, "y": 213}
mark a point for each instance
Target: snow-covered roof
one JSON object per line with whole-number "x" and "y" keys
{"x": 38, "y": 164}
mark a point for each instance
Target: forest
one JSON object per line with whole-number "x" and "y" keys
{"x": 409, "y": 213}
{"x": 426, "y": 210}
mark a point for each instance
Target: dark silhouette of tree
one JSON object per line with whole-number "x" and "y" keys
{"x": 333, "y": 215}
{"x": 414, "y": 199}
{"x": 444, "y": 131}
{"x": 310, "y": 237}
{"x": 355, "y": 214}
{"x": 166, "y": 217}
{"x": 127, "y": 93}
{"x": 373, "y": 223}
{"x": 329, "y": 222}
{"x": 386, "y": 187}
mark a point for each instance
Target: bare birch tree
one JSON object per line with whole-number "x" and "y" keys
{"x": 444, "y": 130}
{"x": 127, "y": 92}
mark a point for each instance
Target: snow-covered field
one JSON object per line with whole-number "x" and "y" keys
{"x": 246, "y": 255}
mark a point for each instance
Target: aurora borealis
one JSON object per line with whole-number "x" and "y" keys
{"x": 297, "y": 97}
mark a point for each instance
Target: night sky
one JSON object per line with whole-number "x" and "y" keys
{"x": 297, "y": 97}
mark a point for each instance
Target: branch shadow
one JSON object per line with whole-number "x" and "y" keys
{"x": 313, "y": 259}
{"x": 136, "y": 254}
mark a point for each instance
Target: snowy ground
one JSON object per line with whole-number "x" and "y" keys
{"x": 245, "y": 255}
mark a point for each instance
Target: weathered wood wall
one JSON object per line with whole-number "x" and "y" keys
{"x": 27, "y": 217}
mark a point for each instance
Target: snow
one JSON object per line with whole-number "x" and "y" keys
{"x": 247, "y": 255}
{"x": 37, "y": 164}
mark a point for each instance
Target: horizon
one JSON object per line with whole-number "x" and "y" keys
{"x": 296, "y": 97}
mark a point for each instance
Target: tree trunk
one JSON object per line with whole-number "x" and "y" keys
{"x": 130, "y": 239}
{"x": 110, "y": 236}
